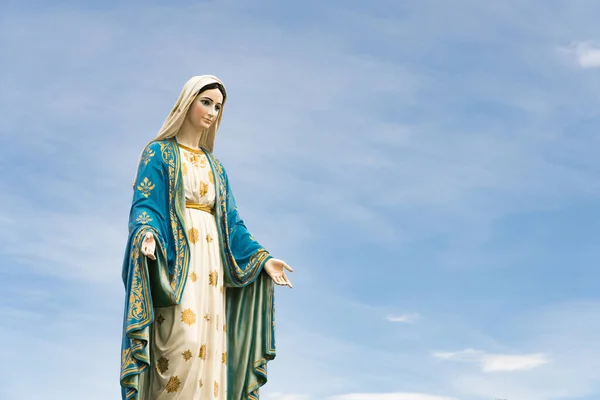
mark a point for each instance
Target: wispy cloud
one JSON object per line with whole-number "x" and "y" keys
{"x": 404, "y": 318}
{"x": 586, "y": 54}
{"x": 496, "y": 362}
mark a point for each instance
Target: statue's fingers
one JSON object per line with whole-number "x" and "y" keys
{"x": 287, "y": 267}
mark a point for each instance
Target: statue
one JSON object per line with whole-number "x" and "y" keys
{"x": 199, "y": 317}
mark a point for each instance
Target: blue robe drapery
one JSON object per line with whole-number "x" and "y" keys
{"x": 157, "y": 207}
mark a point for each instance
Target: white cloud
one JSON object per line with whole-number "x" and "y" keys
{"x": 467, "y": 355}
{"x": 404, "y": 318}
{"x": 505, "y": 362}
{"x": 390, "y": 396}
{"x": 495, "y": 362}
{"x": 587, "y": 54}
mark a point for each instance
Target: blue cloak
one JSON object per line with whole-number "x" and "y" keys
{"x": 157, "y": 206}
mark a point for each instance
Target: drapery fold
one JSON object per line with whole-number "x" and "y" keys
{"x": 157, "y": 206}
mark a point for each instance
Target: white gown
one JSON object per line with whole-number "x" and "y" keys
{"x": 189, "y": 341}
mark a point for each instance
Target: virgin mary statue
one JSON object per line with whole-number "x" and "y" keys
{"x": 199, "y": 317}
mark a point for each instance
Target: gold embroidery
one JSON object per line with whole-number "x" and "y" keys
{"x": 173, "y": 384}
{"x": 146, "y": 186}
{"x": 160, "y": 319}
{"x": 126, "y": 359}
{"x": 148, "y": 154}
{"x": 203, "y": 188}
{"x": 213, "y": 277}
{"x": 183, "y": 169}
{"x": 216, "y": 389}
{"x": 162, "y": 365}
{"x": 193, "y": 277}
{"x": 199, "y": 160}
{"x": 193, "y": 235}
{"x": 211, "y": 177}
{"x": 188, "y": 317}
{"x": 137, "y": 309}
{"x": 206, "y": 317}
{"x": 143, "y": 218}
{"x": 187, "y": 355}
{"x": 209, "y": 238}
{"x": 224, "y": 328}
{"x": 202, "y": 353}
{"x": 224, "y": 358}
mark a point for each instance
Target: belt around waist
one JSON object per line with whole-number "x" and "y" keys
{"x": 201, "y": 207}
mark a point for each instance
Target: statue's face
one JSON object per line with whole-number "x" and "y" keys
{"x": 205, "y": 109}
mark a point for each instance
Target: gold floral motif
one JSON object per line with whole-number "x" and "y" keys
{"x": 143, "y": 218}
{"x": 146, "y": 186}
{"x": 216, "y": 389}
{"x": 211, "y": 177}
{"x": 203, "y": 188}
{"x": 193, "y": 235}
{"x": 213, "y": 277}
{"x": 126, "y": 359}
{"x": 202, "y": 352}
{"x": 184, "y": 169}
{"x": 224, "y": 358}
{"x": 148, "y": 154}
{"x": 199, "y": 160}
{"x": 193, "y": 277}
{"x": 187, "y": 355}
{"x": 173, "y": 384}
{"x": 188, "y": 316}
{"x": 137, "y": 309}
{"x": 160, "y": 319}
{"x": 209, "y": 238}
{"x": 162, "y": 365}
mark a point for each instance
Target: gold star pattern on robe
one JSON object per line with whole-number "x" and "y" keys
{"x": 224, "y": 358}
{"x": 213, "y": 276}
{"x": 202, "y": 352}
{"x": 193, "y": 277}
{"x": 187, "y": 355}
{"x": 211, "y": 177}
{"x": 160, "y": 319}
{"x": 209, "y": 238}
{"x": 193, "y": 235}
{"x": 216, "y": 389}
{"x": 188, "y": 316}
{"x": 162, "y": 365}
{"x": 173, "y": 384}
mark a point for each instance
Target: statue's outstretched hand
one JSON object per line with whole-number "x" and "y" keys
{"x": 275, "y": 269}
{"x": 148, "y": 246}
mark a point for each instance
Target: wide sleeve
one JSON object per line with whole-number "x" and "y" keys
{"x": 145, "y": 281}
{"x": 250, "y": 308}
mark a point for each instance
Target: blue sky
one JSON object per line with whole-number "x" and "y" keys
{"x": 428, "y": 168}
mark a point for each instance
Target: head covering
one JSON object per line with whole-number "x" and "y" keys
{"x": 175, "y": 119}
